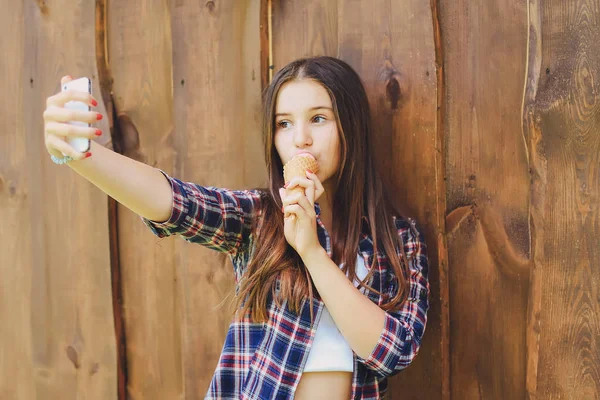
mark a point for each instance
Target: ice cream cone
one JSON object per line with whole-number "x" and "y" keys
{"x": 297, "y": 166}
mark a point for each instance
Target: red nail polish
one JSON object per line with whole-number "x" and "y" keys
{"x": 282, "y": 207}
{"x": 286, "y": 185}
{"x": 98, "y": 132}
{"x": 309, "y": 171}
{"x": 94, "y": 103}
{"x": 99, "y": 116}
{"x": 88, "y": 155}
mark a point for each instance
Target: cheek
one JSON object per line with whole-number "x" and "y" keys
{"x": 334, "y": 145}
{"x": 281, "y": 137}
{"x": 281, "y": 147}
{"x": 336, "y": 152}
{"x": 277, "y": 143}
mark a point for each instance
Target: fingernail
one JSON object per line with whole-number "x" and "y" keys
{"x": 94, "y": 102}
{"x": 98, "y": 132}
{"x": 99, "y": 116}
{"x": 69, "y": 76}
{"x": 286, "y": 185}
{"x": 88, "y": 155}
{"x": 309, "y": 171}
{"x": 282, "y": 207}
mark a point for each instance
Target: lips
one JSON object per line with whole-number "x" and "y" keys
{"x": 306, "y": 153}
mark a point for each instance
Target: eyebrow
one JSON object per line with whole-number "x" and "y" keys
{"x": 312, "y": 109}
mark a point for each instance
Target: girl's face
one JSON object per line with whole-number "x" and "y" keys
{"x": 305, "y": 123}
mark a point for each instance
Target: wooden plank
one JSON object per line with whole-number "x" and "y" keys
{"x": 537, "y": 208}
{"x": 105, "y": 97}
{"x": 487, "y": 172}
{"x": 265, "y": 49}
{"x": 140, "y": 73}
{"x": 217, "y": 86}
{"x": 57, "y": 335}
{"x": 392, "y": 47}
{"x": 17, "y": 246}
{"x": 561, "y": 129}
{"x": 303, "y": 28}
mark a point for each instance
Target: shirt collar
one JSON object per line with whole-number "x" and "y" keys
{"x": 317, "y": 208}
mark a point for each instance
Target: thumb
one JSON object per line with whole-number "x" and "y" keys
{"x": 65, "y": 79}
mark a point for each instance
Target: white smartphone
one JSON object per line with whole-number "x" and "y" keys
{"x": 84, "y": 84}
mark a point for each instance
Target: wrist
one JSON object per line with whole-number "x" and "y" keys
{"x": 314, "y": 256}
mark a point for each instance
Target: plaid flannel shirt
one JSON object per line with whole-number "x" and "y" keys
{"x": 266, "y": 360}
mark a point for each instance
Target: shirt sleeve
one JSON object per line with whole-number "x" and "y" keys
{"x": 217, "y": 218}
{"x": 403, "y": 330}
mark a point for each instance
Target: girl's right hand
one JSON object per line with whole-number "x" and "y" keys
{"x": 56, "y": 122}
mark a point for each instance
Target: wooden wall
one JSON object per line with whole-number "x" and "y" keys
{"x": 487, "y": 123}
{"x": 56, "y": 336}
{"x": 487, "y": 197}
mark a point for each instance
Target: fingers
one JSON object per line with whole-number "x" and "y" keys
{"x": 61, "y": 98}
{"x": 66, "y": 79}
{"x": 54, "y": 143}
{"x": 64, "y": 130}
{"x": 293, "y": 211}
{"x": 319, "y": 189}
{"x": 306, "y": 184}
{"x": 312, "y": 186}
{"x": 296, "y": 203}
{"x": 59, "y": 114}
{"x": 56, "y": 117}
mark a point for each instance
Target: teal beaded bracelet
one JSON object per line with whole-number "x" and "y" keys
{"x": 60, "y": 161}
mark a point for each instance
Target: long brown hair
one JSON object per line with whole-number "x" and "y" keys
{"x": 359, "y": 191}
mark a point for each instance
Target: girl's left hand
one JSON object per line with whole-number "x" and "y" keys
{"x": 300, "y": 219}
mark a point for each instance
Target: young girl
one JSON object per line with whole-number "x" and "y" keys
{"x": 331, "y": 285}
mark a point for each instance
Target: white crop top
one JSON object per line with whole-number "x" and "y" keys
{"x": 329, "y": 350}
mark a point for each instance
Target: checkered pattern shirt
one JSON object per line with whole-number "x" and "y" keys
{"x": 266, "y": 360}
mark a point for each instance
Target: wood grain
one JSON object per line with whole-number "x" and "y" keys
{"x": 562, "y": 121}
{"x": 217, "y": 94}
{"x": 17, "y": 247}
{"x": 57, "y": 336}
{"x": 303, "y": 28}
{"x": 487, "y": 175}
{"x": 139, "y": 71}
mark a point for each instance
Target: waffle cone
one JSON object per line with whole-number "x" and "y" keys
{"x": 297, "y": 166}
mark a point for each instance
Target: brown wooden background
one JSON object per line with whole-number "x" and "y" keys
{"x": 487, "y": 117}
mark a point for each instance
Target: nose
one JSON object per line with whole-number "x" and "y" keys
{"x": 302, "y": 135}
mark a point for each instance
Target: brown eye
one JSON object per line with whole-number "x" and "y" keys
{"x": 281, "y": 124}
